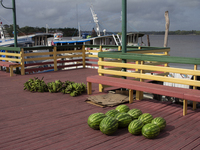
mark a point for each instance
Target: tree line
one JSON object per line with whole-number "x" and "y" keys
{"x": 32, "y": 30}
{"x": 74, "y": 32}
{"x": 177, "y": 32}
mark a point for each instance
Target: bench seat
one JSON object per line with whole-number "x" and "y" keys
{"x": 10, "y": 65}
{"x": 185, "y": 94}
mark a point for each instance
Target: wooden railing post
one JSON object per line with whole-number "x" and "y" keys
{"x": 55, "y": 58}
{"x": 22, "y": 61}
{"x": 194, "y": 87}
{"x": 83, "y": 55}
{"x": 6, "y": 56}
{"x": 101, "y": 88}
{"x": 139, "y": 94}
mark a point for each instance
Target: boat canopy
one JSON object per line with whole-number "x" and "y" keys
{"x": 70, "y": 41}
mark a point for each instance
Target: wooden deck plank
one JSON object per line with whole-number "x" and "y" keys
{"x": 57, "y": 121}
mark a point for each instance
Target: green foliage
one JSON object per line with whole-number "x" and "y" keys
{"x": 55, "y": 87}
{"x": 67, "y": 87}
{"x": 36, "y": 85}
{"x": 74, "y": 89}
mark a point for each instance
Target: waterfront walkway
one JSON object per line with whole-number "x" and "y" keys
{"x": 52, "y": 121}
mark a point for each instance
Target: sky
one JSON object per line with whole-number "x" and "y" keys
{"x": 142, "y": 15}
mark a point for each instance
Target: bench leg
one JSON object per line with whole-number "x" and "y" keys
{"x": 7, "y": 69}
{"x": 11, "y": 71}
{"x": 139, "y": 95}
{"x": 194, "y": 105}
{"x": 130, "y": 96}
{"x": 89, "y": 88}
{"x": 101, "y": 88}
{"x": 184, "y": 107}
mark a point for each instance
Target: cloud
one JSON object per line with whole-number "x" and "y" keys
{"x": 142, "y": 15}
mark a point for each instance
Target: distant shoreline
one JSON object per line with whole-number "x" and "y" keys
{"x": 178, "y": 32}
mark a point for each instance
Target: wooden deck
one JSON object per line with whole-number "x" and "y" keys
{"x": 52, "y": 121}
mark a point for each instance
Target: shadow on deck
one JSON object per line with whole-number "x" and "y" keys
{"x": 58, "y": 121}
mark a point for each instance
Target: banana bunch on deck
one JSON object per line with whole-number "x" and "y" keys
{"x": 67, "y": 87}
{"x": 36, "y": 85}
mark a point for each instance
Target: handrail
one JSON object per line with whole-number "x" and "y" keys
{"x": 143, "y": 57}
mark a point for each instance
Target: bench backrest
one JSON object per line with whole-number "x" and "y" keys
{"x": 147, "y": 64}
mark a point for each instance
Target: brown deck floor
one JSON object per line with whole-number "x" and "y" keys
{"x": 57, "y": 121}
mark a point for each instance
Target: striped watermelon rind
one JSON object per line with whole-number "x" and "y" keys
{"x": 95, "y": 119}
{"x": 122, "y": 108}
{"x": 111, "y": 113}
{"x": 146, "y": 118}
{"x": 150, "y": 130}
{"x": 108, "y": 125}
{"x": 135, "y": 127}
{"x": 135, "y": 113}
{"x": 159, "y": 121}
{"x": 124, "y": 119}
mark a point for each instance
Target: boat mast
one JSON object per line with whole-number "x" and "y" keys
{"x": 1, "y": 31}
{"x": 95, "y": 18}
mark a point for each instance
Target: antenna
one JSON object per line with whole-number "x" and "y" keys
{"x": 95, "y": 18}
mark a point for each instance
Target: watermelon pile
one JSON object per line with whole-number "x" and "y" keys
{"x": 122, "y": 117}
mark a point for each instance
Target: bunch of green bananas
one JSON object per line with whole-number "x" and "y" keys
{"x": 36, "y": 85}
{"x": 55, "y": 87}
{"x": 74, "y": 89}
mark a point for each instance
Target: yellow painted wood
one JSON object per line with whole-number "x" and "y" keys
{"x": 22, "y": 62}
{"x": 7, "y": 68}
{"x": 150, "y": 77}
{"x": 89, "y": 88}
{"x": 156, "y": 54}
{"x": 119, "y": 48}
{"x": 139, "y": 95}
{"x": 130, "y": 96}
{"x": 150, "y": 51}
{"x": 11, "y": 71}
{"x": 95, "y": 56}
{"x": 10, "y": 54}
{"x": 71, "y": 51}
{"x": 153, "y": 68}
{"x": 69, "y": 56}
{"x": 83, "y": 55}
{"x": 93, "y": 51}
{"x": 184, "y": 107}
{"x": 194, "y": 87}
{"x": 38, "y": 54}
{"x": 10, "y": 59}
{"x": 39, "y": 58}
{"x": 55, "y": 58}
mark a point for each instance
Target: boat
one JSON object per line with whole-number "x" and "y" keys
{"x": 96, "y": 37}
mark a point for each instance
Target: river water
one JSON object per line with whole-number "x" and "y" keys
{"x": 180, "y": 46}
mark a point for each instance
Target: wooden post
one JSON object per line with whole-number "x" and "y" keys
{"x": 148, "y": 41}
{"x": 101, "y": 88}
{"x": 6, "y": 56}
{"x": 22, "y": 62}
{"x": 55, "y": 57}
{"x": 194, "y": 87}
{"x": 139, "y": 94}
{"x": 166, "y": 28}
{"x": 89, "y": 88}
{"x": 83, "y": 55}
{"x": 130, "y": 96}
{"x": 184, "y": 107}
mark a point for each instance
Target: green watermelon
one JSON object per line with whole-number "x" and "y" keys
{"x": 111, "y": 113}
{"x": 160, "y": 122}
{"x": 123, "y": 119}
{"x": 108, "y": 125}
{"x": 150, "y": 130}
{"x": 122, "y": 108}
{"x": 135, "y": 127}
{"x": 146, "y": 118}
{"x": 135, "y": 113}
{"x": 95, "y": 119}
